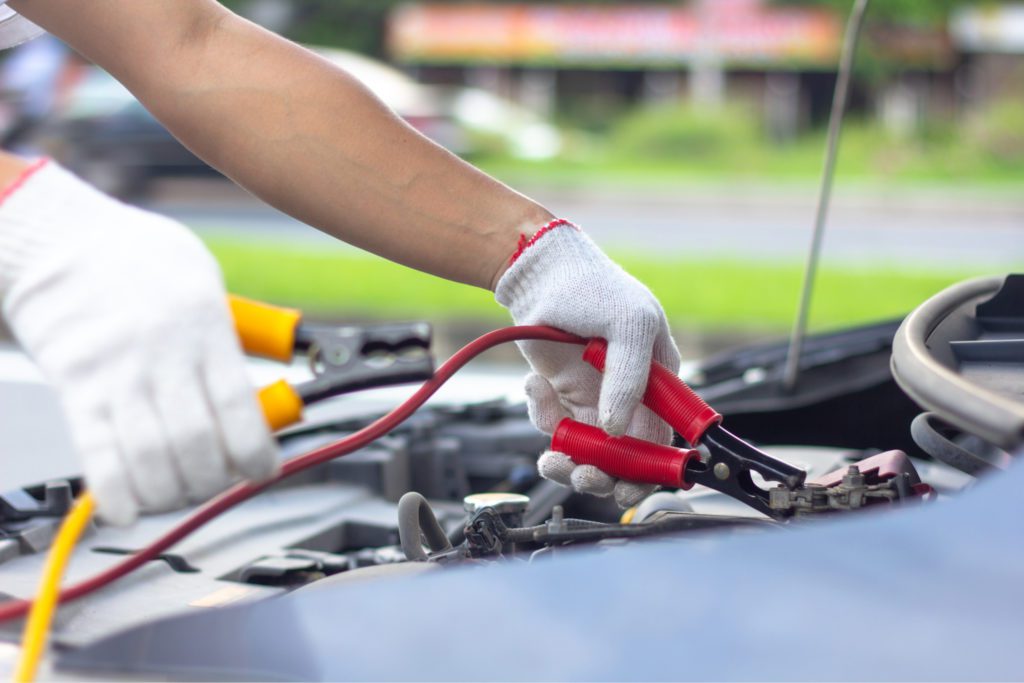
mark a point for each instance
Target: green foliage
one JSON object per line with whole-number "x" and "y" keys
{"x": 665, "y": 144}
{"x": 999, "y": 132}
{"x": 680, "y": 131}
{"x": 920, "y": 12}
{"x": 358, "y": 25}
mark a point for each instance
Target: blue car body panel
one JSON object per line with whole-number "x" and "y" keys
{"x": 932, "y": 592}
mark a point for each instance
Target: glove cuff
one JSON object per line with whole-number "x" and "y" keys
{"x": 39, "y": 212}
{"x": 527, "y": 242}
{"x": 559, "y": 247}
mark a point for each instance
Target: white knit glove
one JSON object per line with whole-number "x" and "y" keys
{"x": 563, "y": 279}
{"x": 125, "y": 313}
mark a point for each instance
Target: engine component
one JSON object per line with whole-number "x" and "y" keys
{"x": 488, "y": 536}
{"x": 885, "y": 478}
{"x": 662, "y": 501}
{"x": 52, "y": 499}
{"x": 510, "y": 506}
{"x": 936, "y": 438}
{"x": 176, "y": 562}
{"x": 961, "y": 355}
{"x": 846, "y": 396}
{"x": 416, "y": 521}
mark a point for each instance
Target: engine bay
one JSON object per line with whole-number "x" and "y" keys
{"x": 455, "y": 487}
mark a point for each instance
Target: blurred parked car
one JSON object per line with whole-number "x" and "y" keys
{"x": 105, "y": 135}
{"x": 499, "y": 125}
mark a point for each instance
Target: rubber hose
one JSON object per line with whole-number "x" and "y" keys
{"x": 416, "y": 521}
{"x": 927, "y": 431}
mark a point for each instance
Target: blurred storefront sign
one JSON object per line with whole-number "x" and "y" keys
{"x": 734, "y": 32}
{"x": 994, "y": 29}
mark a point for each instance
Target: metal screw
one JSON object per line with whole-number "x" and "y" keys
{"x": 721, "y": 471}
{"x": 339, "y": 355}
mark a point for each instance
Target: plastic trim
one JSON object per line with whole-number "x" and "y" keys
{"x": 938, "y": 388}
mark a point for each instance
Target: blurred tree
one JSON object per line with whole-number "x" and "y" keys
{"x": 357, "y": 25}
{"x": 921, "y": 12}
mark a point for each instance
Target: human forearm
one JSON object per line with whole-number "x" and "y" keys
{"x": 309, "y": 139}
{"x": 312, "y": 141}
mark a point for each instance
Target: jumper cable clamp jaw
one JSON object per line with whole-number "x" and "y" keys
{"x": 351, "y": 358}
{"x": 342, "y": 359}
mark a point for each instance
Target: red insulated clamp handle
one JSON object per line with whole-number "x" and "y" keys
{"x": 667, "y": 395}
{"x": 623, "y": 457}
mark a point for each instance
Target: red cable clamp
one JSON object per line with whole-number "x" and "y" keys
{"x": 623, "y": 457}
{"x": 668, "y": 396}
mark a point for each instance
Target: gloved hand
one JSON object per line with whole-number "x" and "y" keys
{"x": 125, "y": 313}
{"x": 563, "y": 279}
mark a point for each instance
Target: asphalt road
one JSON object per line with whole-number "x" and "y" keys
{"x": 923, "y": 227}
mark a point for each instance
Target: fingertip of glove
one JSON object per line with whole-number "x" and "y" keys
{"x": 108, "y": 483}
{"x": 262, "y": 463}
{"x": 615, "y": 422}
{"x": 617, "y": 406}
{"x": 542, "y": 404}
{"x": 590, "y": 480}
{"x": 556, "y": 467}
{"x": 116, "y": 511}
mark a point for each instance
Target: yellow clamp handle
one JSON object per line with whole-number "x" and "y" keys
{"x": 282, "y": 405}
{"x": 265, "y": 330}
{"x": 269, "y": 331}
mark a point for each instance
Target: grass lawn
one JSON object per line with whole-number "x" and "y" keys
{"x": 713, "y": 295}
{"x": 667, "y": 149}
{"x": 798, "y": 170}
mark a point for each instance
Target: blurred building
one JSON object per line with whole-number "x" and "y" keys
{"x": 708, "y": 51}
{"x": 991, "y": 40}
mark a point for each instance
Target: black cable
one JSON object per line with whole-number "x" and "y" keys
{"x": 571, "y": 530}
{"x": 932, "y": 434}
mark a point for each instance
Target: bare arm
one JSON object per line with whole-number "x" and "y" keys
{"x": 299, "y": 133}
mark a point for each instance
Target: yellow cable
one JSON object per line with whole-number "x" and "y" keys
{"x": 37, "y": 626}
{"x": 276, "y": 406}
